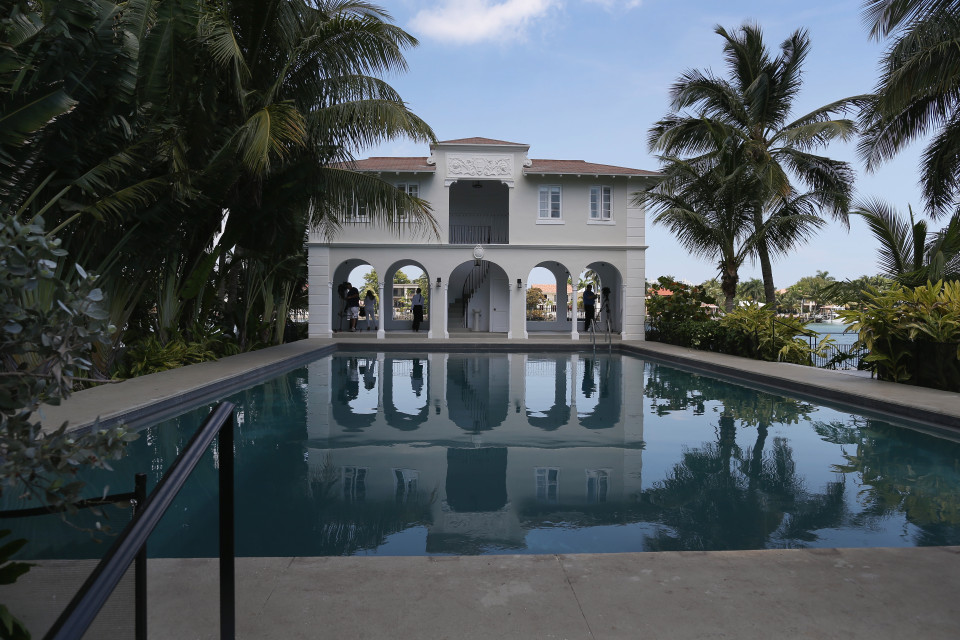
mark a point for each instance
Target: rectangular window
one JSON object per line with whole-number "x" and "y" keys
{"x": 600, "y": 202}
{"x": 548, "y": 484}
{"x": 354, "y": 480}
{"x": 357, "y": 211}
{"x": 598, "y": 481}
{"x": 411, "y": 189}
{"x": 549, "y": 202}
{"x": 406, "y": 481}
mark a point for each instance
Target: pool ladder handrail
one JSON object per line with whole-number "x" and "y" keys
{"x": 131, "y": 543}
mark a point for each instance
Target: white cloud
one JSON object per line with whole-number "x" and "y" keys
{"x": 610, "y": 5}
{"x": 472, "y": 21}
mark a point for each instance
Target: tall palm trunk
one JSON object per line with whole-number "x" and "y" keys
{"x": 763, "y": 255}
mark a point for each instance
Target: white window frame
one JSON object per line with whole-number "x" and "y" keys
{"x": 357, "y": 213}
{"x": 598, "y": 485}
{"x": 547, "y": 488}
{"x": 354, "y": 483}
{"x": 545, "y": 207}
{"x": 601, "y": 204}
{"x": 411, "y": 189}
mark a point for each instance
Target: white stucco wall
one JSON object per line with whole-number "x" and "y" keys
{"x": 575, "y": 242}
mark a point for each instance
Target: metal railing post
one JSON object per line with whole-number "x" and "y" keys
{"x": 140, "y": 566}
{"x": 228, "y": 605}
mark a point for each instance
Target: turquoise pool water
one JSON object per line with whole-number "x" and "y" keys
{"x": 403, "y": 454}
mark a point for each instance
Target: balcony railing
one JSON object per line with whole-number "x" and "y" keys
{"x": 482, "y": 229}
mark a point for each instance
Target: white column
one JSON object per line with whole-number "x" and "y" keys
{"x": 381, "y": 333}
{"x": 319, "y": 292}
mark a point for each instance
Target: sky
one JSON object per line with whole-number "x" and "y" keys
{"x": 586, "y": 79}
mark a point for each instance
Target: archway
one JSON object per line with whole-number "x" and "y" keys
{"x": 405, "y": 277}
{"x": 346, "y": 272}
{"x": 606, "y": 282}
{"x": 479, "y": 298}
{"x": 547, "y": 298}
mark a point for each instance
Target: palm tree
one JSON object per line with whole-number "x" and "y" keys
{"x": 750, "y": 111}
{"x": 909, "y": 253}
{"x": 917, "y": 93}
{"x": 708, "y": 204}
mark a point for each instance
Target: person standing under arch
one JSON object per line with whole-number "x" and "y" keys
{"x": 370, "y": 309}
{"x": 589, "y": 307}
{"x": 417, "y": 303}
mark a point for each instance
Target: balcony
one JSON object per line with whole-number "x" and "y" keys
{"x": 472, "y": 229}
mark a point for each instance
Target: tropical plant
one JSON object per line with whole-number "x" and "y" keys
{"x": 771, "y": 338}
{"x": 912, "y": 334}
{"x": 709, "y": 203}
{"x": 909, "y": 253}
{"x": 153, "y": 134}
{"x": 750, "y": 112}
{"x": 917, "y": 93}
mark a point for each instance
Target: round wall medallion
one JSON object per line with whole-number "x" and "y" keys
{"x": 478, "y": 252}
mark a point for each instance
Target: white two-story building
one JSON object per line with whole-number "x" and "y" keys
{"x": 500, "y": 215}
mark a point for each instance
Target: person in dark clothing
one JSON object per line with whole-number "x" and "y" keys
{"x": 589, "y": 307}
{"x": 353, "y": 307}
{"x": 417, "y": 303}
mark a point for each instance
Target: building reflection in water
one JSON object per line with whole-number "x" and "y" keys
{"x": 486, "y": 440}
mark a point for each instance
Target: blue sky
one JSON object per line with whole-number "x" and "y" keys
{"x": 585, "y": 80}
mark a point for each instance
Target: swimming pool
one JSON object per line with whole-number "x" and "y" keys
{"x": 445, "y": 453}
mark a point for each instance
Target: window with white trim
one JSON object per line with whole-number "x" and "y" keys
{"x": 598, "y": 481}
{"x": 601, "y": 199}
{"x": 411, "y": 189}
{"x": 549, "y": 202}
{"x": 354, "y": 481}
{"x": 356, "y": 211}
{"x": 547, "y": 483}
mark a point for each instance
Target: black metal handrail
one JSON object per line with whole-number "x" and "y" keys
{"x": 86, "y": 604}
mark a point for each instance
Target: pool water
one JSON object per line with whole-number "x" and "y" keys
{"x": 442, "y": 453}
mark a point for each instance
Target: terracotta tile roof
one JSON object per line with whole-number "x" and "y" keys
{"x": 481, "y": 141}
{"x": 550, "y": 289}
{"x": 390, "y": 164}
{"x": 566, "y": 167}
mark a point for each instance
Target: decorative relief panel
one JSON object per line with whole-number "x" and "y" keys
{"x": 479, "y": 166}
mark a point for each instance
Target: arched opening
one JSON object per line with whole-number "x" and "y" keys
{"x": 406, "y": 407}
{"x": 478, "y": 298}
{"x": 349, "y": 273}
{"x": 546, "y": 388}
{"x": 547, "y": 298}
{"x": 397, "y": 308}
{"x": 606, "y": 285}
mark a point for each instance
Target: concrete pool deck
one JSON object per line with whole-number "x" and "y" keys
{"x": 817, "y": 593}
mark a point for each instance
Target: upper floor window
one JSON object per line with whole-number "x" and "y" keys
{"x": 411, "y": 189}
{"x": 600, "y": 202}
{"x": 549, "y": 202}
{"x": 357, "y": 211}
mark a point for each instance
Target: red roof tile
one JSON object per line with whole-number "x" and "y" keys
{"x": 567, "y": 167}
{"x": 390, "y": 164}
{"x": 481, "y": 141}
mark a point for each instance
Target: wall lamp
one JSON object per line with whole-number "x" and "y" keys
{"x": 519, "y": 284}
{"x": 438, "y": 282}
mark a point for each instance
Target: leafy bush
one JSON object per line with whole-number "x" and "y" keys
{"x": 48, "y": 326}
{"x": 771, "y": 338}
{"x": 749, "y": 331}
{"x": 152, "y": 356}
{"x": 684, "y": 302}
{"x": 912, "y": 334}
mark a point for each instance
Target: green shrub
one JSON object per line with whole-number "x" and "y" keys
{"x": 771, "y": 338}
{"x": 912, "y": 334}
{"x": 149, "y": 355}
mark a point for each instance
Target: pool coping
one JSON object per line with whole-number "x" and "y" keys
{"x": 151, "y": 398}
